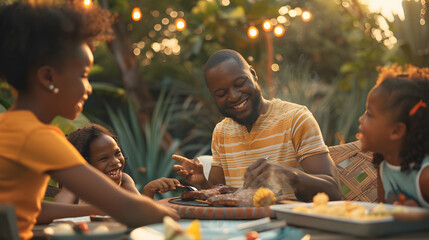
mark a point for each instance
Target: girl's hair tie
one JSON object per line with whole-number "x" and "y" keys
{"x": 416, "y": 107}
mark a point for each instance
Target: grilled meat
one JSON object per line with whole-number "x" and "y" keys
{"x": 206, "y": 193}
{"x": 243, "y": 198}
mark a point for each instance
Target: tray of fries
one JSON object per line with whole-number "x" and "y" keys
{"x": 349, "y": 217}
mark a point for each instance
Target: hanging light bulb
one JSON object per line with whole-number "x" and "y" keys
{"x": 267, "y": 26}
{"x": 252, "y": 32}
{"x": 279, "y": 30}
{"x": 306, "y": 16}
{"x": 136, "y": 14}
{"x": 87, "y": 3}
{"x": 180, "y": 24}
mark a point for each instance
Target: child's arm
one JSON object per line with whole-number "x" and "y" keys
{"x": 53, "y": 210}
{"x": 128, "y": 183}
{"x": 162, "y": 185}
{"x": 65, "y": 196}
{"x": 423, "y": 182}
{"x": 380, "y": 188}
{"x": 96, "y": 188}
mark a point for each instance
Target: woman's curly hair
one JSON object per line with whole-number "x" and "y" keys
{"x": 35, "y": 35}
{"x": 83, "y": 137}
{"x": 406, "y": 87}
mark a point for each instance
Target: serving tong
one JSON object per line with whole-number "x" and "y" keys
{"x": 188, "y": 188}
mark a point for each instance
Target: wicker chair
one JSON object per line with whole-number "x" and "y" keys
{"x": 51, "y": 192}
{"x": 357, "y": 174}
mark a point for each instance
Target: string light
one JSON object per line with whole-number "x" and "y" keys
{"x": 252, "y": 32}
{"x": 87, "y": 3}
{"x": 136, "y": 14}
{"x": 180, "y": 24}
{"x": 267, "y": 26}
{"x": 306, "y": 16}
{"x": 279, "y": 30}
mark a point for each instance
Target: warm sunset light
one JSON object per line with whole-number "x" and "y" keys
{"x": 136, "y": 14}
{"x": 306, "y": 16}
{"x": 267, "y": 26}
{"x": 252, "y": 32}
{"x": 386, "y": 7}
{"x": 279, "y": 30}
{"x": 87, "y": 3}
{"x": 180, "y": 24}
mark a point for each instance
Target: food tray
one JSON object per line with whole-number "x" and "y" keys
{"x": 363, "y": 228}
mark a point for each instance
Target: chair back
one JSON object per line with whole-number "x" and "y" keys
{"x": 357, "y": 174}
{"x": 206, "y": 160}
{"x": 8, "y": 223}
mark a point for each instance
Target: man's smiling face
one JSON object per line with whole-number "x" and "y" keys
{"x": 235, "y": 91}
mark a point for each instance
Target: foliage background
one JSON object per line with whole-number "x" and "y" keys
{"x": 150, "y": 90}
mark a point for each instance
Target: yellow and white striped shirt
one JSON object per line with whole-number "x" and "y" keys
{"x": 287, "y": 132}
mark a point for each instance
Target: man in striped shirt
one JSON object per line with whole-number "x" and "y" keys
{"x": 261, "y": 142}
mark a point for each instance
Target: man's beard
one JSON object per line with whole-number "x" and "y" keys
{"x": 253, "y": 116}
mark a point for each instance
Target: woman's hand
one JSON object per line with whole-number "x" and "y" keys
{"x": 161, "y": 185}
{"x": 191, "y": 170}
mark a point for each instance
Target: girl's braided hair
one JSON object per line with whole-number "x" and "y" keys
{"x": 405, "y": 88}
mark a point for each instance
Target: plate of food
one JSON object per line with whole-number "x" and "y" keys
{"x": 350, "y": 217}
{"x": 224, "y": 202}
{"x": 86, "y": 231}
{"x": 217, "y": 229}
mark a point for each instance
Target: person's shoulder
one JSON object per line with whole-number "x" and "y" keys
{"x": 23, "y": 125}
{"x": 126, "y": 177}
{"x": 226, "y": 123}
{"x": 289, "y": 108}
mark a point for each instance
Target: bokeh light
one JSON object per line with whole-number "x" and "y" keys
{"x": 306, "y": 16}
{"x": 225, "y": 2}
{"x": 180, "y": 24}
{"x": 136, "y": 14}
{"x": 87, "y": 3}
{"x": 252, "y": 32}
{"x": 275, "y": 67}
{"x": 267, "y": 26}
{"x": 279, "y": 30}
{"x": 284, "y": 10}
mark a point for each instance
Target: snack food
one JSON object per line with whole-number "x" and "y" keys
{"x": 173, "y": 231}
{"x": 263, "y": 197}
{"x": 347, "y": 210}
{"x": 79, "y": 228}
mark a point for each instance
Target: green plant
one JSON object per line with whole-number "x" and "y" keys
{"x": 146, "y": 158}
{"x": 336, "y": 110}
